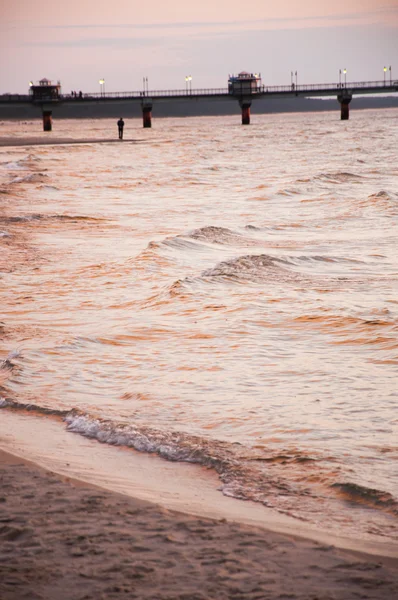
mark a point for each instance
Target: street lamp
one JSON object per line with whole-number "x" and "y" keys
{"x": 390, "y": 76}
{"x": 102, "y": 86}
{"x": 385, "y": 71}
{"x": 345, "y": 77}
{"x": 339, "y": 78}
{"x": 188, "y": 85}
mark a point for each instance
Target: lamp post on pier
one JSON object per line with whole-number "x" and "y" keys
{"x": 385, "y": 71}
{"x": 102, "y": 87}
{"x": 390, "y": 75}
{"x": 345, "y": 77}
{"x": 188, "y": 84}
{"x": 339, "y": 78}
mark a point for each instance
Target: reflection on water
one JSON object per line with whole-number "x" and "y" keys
{"x": 217, "y": 294}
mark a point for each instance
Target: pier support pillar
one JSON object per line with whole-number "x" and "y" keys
{"x": 245, "y": 115}
{"x": 345, "y": 106}
{"x": 245, "y": 104}
{"x": 147, "y": 117}
{"x": 47, "y": 120}
{"x": 147, "y": 112}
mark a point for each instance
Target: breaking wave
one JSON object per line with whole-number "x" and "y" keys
{"x": 278, "y": 478}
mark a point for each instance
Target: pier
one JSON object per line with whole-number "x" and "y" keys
{"x": 244, "y": 89}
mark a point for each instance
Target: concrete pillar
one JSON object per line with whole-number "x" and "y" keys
{"x": 345, "y": 106}
{"x": 245, "y": 105}
{"x": 146, "y": 105}
{"x": 345, "y": 111}
{"x": 47, "y": 120}
{"x": 147, "y": 116}
{"x": 245, "y": 115}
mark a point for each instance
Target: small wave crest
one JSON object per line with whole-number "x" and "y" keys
{"x": 31, "y": 178}
{"x": 7, "y": 364}
{"x": 350, "y": 329}
{"x": 23, "y": 219}
{"x": 339, "y": 177}
{"x": 198, "y": 239}
{"x": 220, "y": 235}
{"x": 381, "y": 201}
{"x": 252, "y": 267}
{"x": 367, "y": 496}
{"x": 35, "y": 408}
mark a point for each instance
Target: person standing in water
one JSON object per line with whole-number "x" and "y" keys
{"x": 120, "y": 125}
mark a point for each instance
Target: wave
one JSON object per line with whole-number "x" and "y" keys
{"x": 14, "y": 165}
{"x": 289, "y": 481}
{"x": 262, "y": 268}
{"x": 31, "y": 178}
{"x": 381, "y": 201}
{"x": 40, "y": 217}
{"x": 354, "y": 330}
{"x": 339, "y": 177}
{"x": 367, "y": 496}
{"x": 221, "y": 235}
{"x": 22, "y": 219}
{"x": 199, "y": 238}
{"x": 28, "y": 162}
{"x": 49, "y": 188}
{"x": 256, "y": 268}
{"x": 6, "y": 365}
{"x": 38, "y": 410}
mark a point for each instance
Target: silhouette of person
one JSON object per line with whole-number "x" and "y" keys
{"x": 120, "y": 125}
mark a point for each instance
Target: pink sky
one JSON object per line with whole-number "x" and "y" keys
{"x": 81, "y": 41}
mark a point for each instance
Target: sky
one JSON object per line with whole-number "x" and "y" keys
{"x": 80, "y": 42}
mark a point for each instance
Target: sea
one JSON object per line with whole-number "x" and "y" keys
{"x": 216, "y": 294}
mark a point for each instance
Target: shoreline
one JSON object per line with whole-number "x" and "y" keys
{"x": 185, "y": 487}
{"x": 69, "y": 540}
{"x": 10, "y": 142}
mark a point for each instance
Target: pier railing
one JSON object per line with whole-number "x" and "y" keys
{"x": 261, "y": 90}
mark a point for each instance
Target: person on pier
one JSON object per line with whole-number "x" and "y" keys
{"x": 120, "y": 125}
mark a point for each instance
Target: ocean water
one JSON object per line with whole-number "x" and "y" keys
{"x": 216, "y": 294}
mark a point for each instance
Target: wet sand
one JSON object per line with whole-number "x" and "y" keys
{"x": 65, "y": 539}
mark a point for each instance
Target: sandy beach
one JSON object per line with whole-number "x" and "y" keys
{"x": 61, "y": 539}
